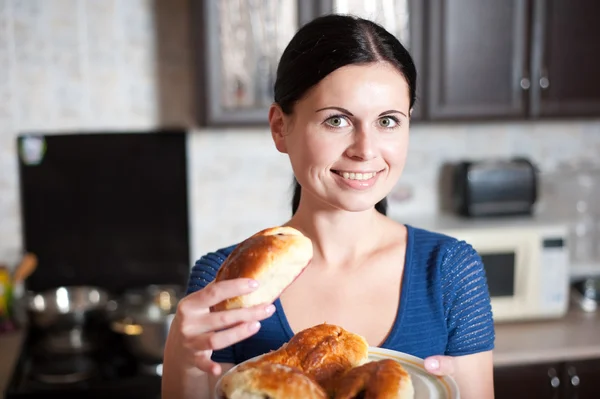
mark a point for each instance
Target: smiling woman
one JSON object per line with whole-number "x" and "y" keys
{"x": 343, "y": 97}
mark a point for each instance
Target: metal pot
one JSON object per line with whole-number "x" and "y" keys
{"x": 71, "y": 319}
{"x": 67, "y": 308}
{"x": 144, "y": 319}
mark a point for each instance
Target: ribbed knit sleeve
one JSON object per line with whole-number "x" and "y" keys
{"x": 466, "y": 299}
{"x": 205, "y": 270}
{"x": 202, "y": 273}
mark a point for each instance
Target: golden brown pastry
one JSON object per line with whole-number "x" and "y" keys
{"x": 274, "y": 257}
{"x": 270, "y": 380}
{"x": 324, "y": 352}
{"x": 383, "y": 379}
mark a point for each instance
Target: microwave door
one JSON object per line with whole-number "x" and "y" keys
{"x": 500, "y": 269}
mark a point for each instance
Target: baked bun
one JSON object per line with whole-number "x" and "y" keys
{"x": 274, "y": 257}
{"x": 323, "y": 352}
{"x": 383, "y": 379}
{"x": 269, "y": 380}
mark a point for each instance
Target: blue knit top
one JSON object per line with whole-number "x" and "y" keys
{"x": 444, "y": 304}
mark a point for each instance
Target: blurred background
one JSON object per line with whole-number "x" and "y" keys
{"x": 133, "y": 140}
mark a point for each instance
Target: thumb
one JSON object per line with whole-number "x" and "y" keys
{"x": 440, "y": 365}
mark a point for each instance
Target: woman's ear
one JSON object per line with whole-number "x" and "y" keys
{"x": 277, "y": 124}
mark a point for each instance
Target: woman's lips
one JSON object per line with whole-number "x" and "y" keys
{"x": 356, "y": 180}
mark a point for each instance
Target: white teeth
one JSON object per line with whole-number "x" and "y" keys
{"x": 357, "y": 176}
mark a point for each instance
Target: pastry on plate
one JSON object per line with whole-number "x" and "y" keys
{"x": 382, "y": 379}
{"x": 324, "y": 352}
{"x": 270, "y": 380}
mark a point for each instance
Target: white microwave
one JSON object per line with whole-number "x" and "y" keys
{"x": 526, "y": 261}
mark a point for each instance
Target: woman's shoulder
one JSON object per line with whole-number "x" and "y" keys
{"x": 205, "y": 269}
{"x": 458, "y": 272}
{"x": 446, "y": 253}
{"x": 436, "y": 243}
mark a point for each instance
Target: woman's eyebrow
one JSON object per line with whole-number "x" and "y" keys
{"x": 336, "y": 108}
{"x": 392, "y": 111}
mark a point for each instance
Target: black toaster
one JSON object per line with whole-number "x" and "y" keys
{"x": 500, "y": 187}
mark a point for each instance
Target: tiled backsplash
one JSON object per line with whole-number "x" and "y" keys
{"x": 100, "y": 64}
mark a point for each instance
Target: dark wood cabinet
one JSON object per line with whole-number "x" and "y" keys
{"x": 512, "y": 59}
{"x": 416, "y": 48}
{"x": 477, "y": 59}
{"x": 559, "y": 380}
{"x": 529, "y": 381}
{"x": 581, "y": 379}
{"x": 566, "y": 58}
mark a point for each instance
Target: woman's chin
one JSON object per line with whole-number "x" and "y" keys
{"x": 356, "y": 206}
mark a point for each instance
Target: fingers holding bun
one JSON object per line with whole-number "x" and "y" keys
{"x": 274, "y": 257}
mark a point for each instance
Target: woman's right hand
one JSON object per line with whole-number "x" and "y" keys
{"x": 196, "y": 331}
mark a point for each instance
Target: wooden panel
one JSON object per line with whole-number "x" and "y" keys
{"x": 417, "y": 51}
{"x": 582, "y": 379}
{"x": 477, "y": 58}
{"x": 566, "y": 63}
{"x": 528, "y": 381}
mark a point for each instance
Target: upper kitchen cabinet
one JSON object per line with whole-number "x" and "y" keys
{"x": 238, "y": 45}
{"x": 477, "y": 59}
{"x": 512, "y": 59}
{"x": 403, "y": 18}
{"x": 566, "y": 58}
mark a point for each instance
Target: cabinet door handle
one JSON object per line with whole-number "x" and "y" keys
{"x": 554, "y": 380}
{"x": 544, "y": 80}
{"x": 525, "y": 83}
{"x": 575, "y": 380}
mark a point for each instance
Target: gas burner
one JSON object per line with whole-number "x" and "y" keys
{"x": 63, "y": 369}
{"x": 68, "y": 342}
{"x": 108, "y": 371}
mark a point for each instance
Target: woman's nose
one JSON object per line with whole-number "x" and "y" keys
{"x": 362, "y": 146}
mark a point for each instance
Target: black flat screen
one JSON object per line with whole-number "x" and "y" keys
{"x": 105, "y": 209}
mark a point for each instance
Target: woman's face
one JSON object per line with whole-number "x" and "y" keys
{"x": 347, "y": 138}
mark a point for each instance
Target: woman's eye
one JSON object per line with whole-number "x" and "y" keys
{"x": 388, "y": 122}
{"x": 337, "y": 121}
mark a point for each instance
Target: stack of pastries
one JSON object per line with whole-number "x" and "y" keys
{"x": 321, "y": 362}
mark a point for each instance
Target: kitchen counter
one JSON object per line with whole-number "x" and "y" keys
{"x": 574, "y": 337}
{"x": 10, "y": 344}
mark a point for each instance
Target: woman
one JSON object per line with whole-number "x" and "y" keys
{"x": 344, "y": 92}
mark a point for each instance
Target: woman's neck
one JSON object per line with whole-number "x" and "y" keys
{"x": 338, "y": 236}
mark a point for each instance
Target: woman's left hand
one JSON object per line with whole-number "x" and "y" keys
{"x": 440, "y": 365}
{"x": 472, "y": 373}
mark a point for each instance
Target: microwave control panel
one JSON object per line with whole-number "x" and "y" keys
{"x": 554, "y": 284}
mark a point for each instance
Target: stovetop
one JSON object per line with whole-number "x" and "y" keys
{"x": 107, "y": 372}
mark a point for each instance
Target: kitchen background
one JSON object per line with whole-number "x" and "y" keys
{"x": 128, "y": 65}
{"x": 70, "y": 65}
